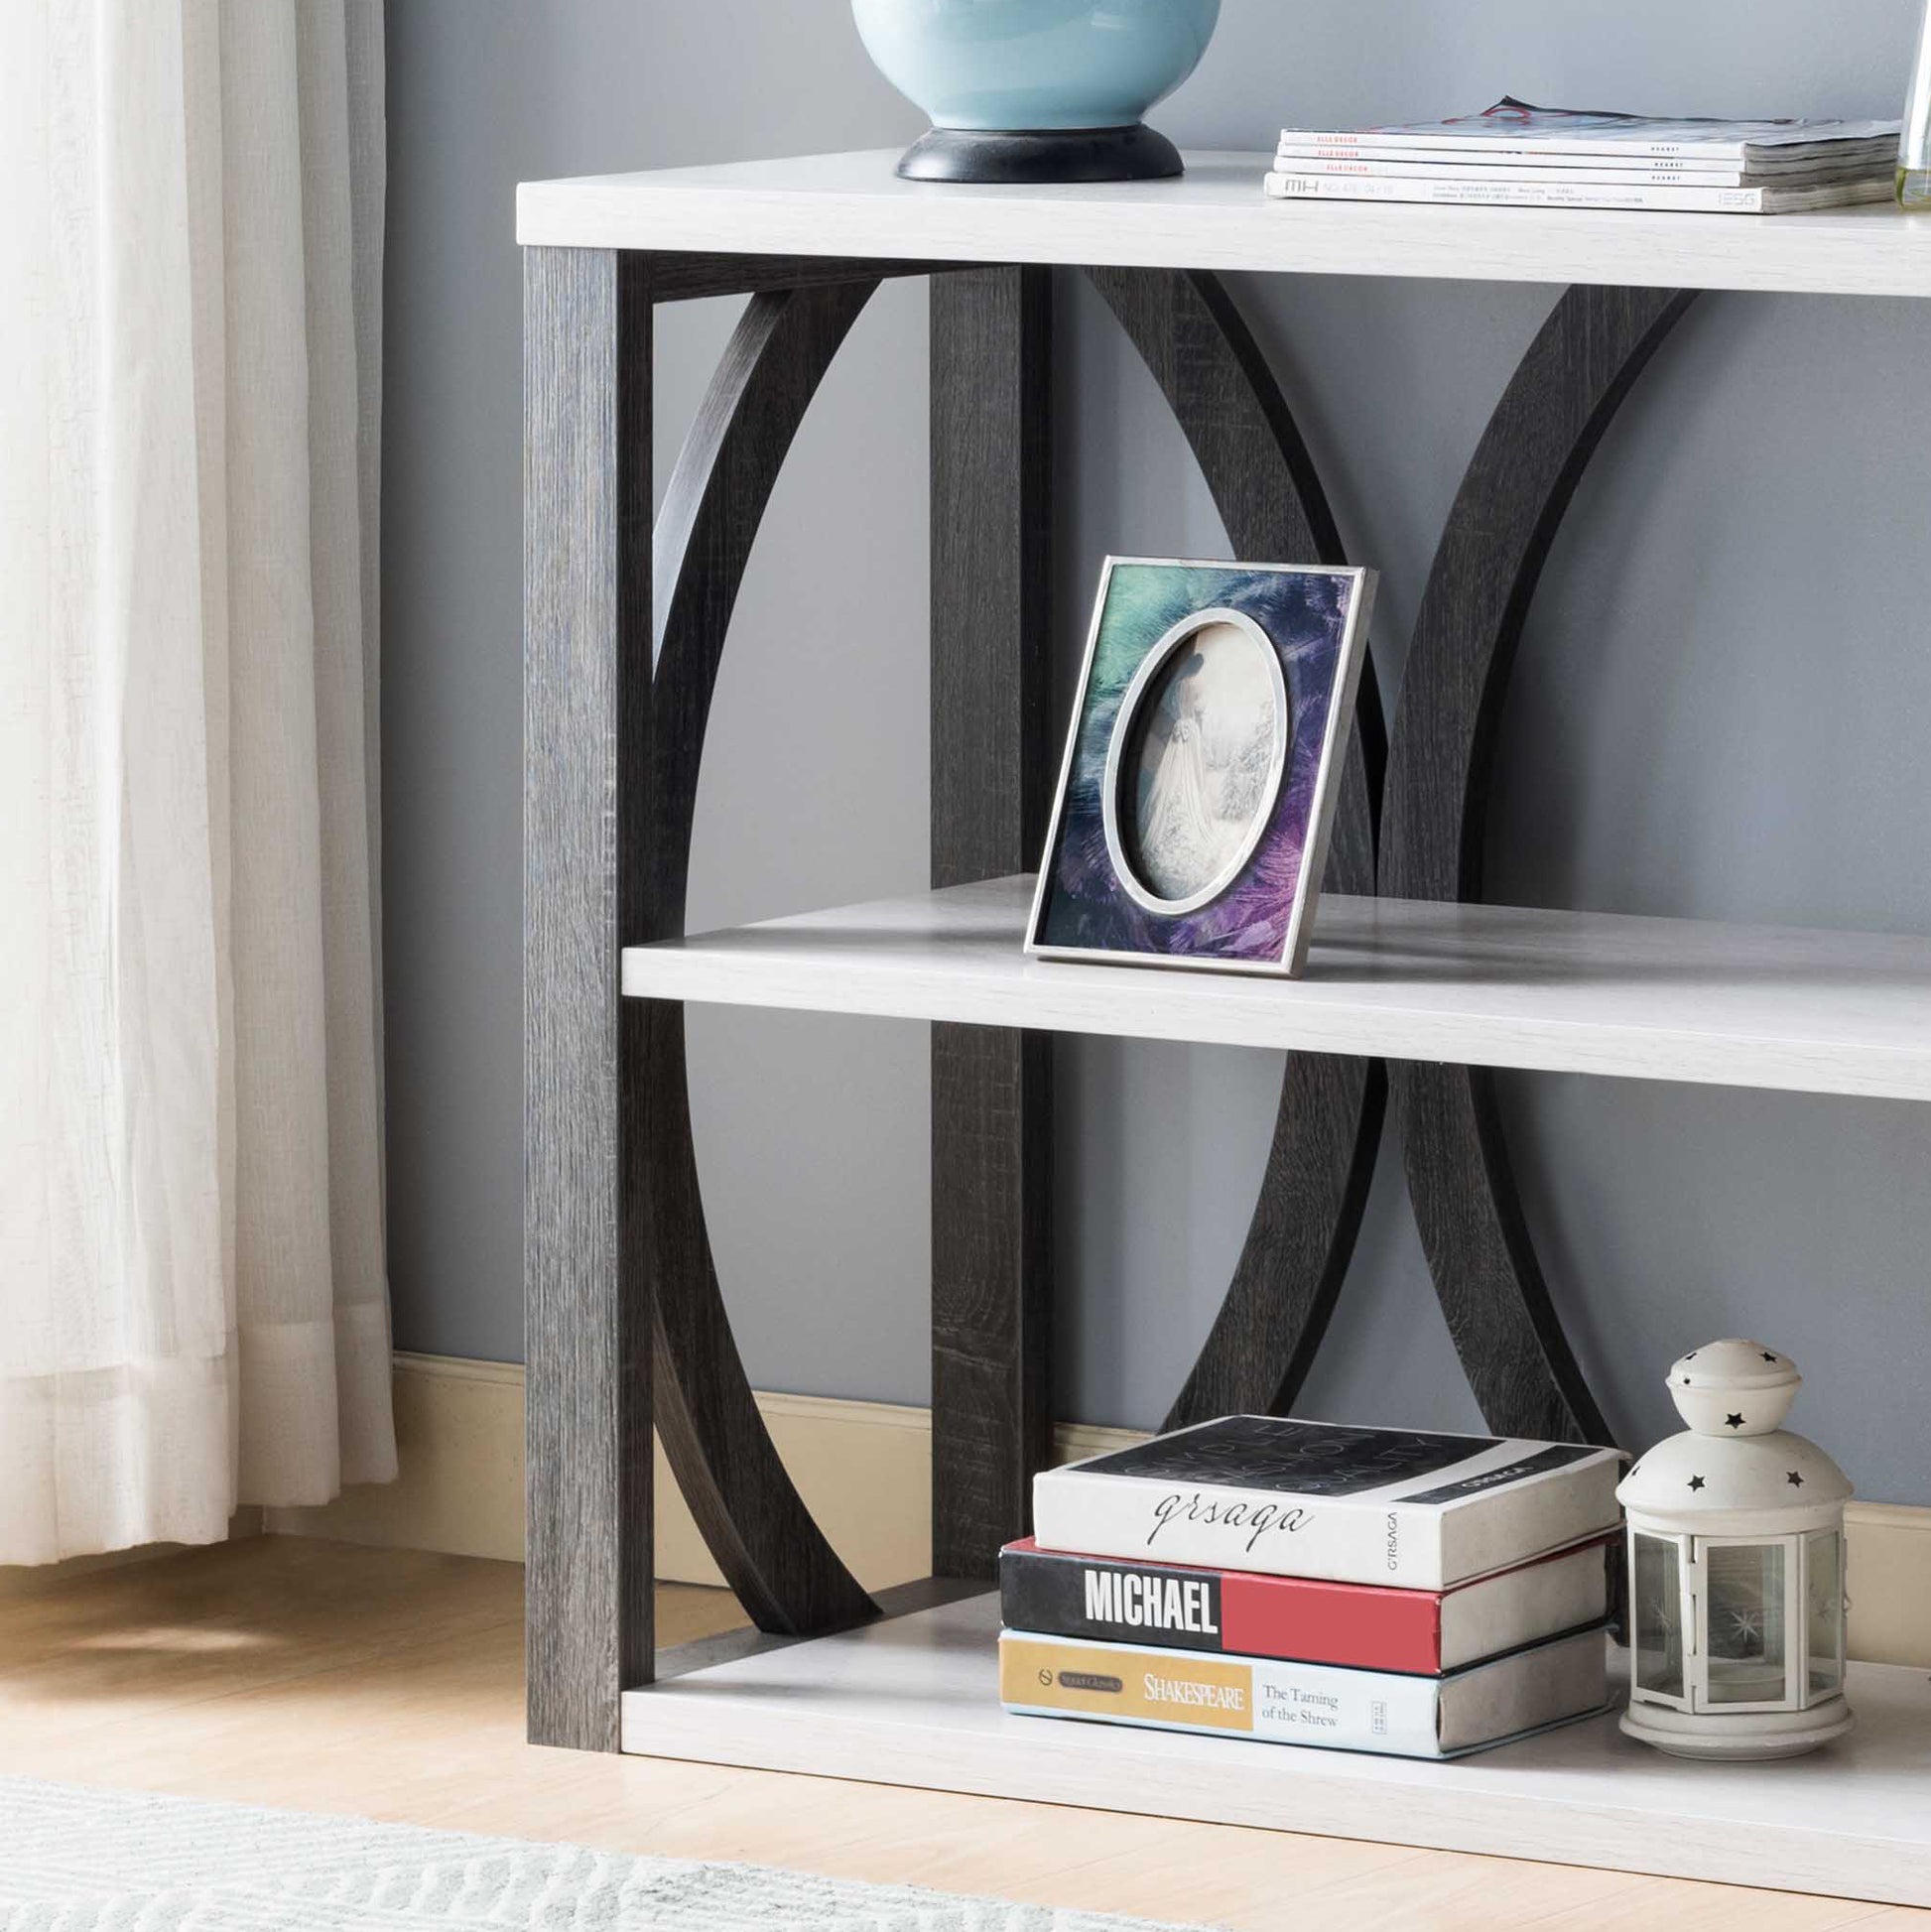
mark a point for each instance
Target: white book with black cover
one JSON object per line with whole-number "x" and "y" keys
{"x": 1409, "y": 1507}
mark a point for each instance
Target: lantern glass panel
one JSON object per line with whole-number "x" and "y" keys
{"x": 1824, "y": 1610}
{"x": 1657, "y": 1594}
{"x": 1744, "y": 1584}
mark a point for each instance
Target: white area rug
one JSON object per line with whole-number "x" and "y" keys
{"x": 75, "y": 1860}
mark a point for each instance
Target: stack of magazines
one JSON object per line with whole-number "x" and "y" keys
{"x": 1517, "y": 156}
{"x": 1379, "y": 1589}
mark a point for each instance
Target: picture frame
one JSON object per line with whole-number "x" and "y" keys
{"x": 1203, "y": 765}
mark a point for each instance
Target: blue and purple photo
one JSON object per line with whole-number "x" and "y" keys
{"x": 1205, "y": 755}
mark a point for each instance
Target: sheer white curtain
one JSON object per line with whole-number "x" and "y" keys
{"x": 194, "y": 1312}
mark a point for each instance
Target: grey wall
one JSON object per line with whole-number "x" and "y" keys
{"x": 1721, "y": 710}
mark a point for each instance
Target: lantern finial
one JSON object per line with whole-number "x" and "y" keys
{"x": 1734, "y": 1388}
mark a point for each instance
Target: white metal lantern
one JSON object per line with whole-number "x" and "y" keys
{"x": 1736, "y": 1569}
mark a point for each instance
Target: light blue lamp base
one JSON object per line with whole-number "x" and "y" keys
{"x": 1037, "y": 90}
{"x": 1083, "y": 154}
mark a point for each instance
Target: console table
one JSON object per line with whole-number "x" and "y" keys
{"x": 1415, "y": 989}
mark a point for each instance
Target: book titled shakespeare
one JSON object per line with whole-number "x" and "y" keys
{"x": 1406, "y": 1507}
{"x": 1306, "y": 1704}
{"x": 1365, "y": 1626}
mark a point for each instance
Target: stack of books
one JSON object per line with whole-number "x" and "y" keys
{"x": 1517, "y": 156}
{"x": 1376, "y": 1590}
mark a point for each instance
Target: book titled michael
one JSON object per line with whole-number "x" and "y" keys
{"x": 1306, "y": 1704}
{"x": 1241, "y": 1612}
{"x": 1405, "y": 1507}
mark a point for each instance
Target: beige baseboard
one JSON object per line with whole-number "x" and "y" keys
{"x": 864, "y": 1470}
{"x": 1889, "y": 1568}
{"x": 460, "y": 1450}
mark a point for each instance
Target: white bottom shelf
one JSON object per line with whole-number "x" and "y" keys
{"x": 912, "y": 1701}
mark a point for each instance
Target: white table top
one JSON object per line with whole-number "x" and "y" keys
{"x": 1214, "y": 217}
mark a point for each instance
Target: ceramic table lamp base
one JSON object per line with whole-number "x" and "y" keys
{"x": 1085, "y": 154}
{"x": 1037, "y": 90}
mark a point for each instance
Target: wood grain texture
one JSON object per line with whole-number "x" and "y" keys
{"x": 1510, "y": 505}
{"x": 691, "y": 276}
{"x": 991, "y": 1120}
{"x": 587, "y": 721}
{"x": 763, "y": 1537}
{"x": 1327, "y": 1126}
{"x": 1217, "y": 217}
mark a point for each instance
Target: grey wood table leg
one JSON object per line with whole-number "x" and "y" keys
{"x": 587, "y": 671}
{"x": 992, "y": 768}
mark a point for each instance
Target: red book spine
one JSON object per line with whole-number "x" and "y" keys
{"x": 1331, "y": 1623}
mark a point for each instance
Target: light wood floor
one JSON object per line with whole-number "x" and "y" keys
{"x": 294, "y": 1672}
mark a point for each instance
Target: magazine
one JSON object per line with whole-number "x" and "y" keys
{"x": 1620, "y": 172}
{"x": 1506, "y": 193}
{"x": 1514, "y": 127}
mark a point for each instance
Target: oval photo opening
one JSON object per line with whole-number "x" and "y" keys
{"x": 1204, "y": 763}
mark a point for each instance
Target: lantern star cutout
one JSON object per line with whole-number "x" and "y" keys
{"x": 1769, "y": 1356}
{"x": 1696, "y": 1482}
{"x": 1795, "y": 1478}
{"x": 1733, "y": 1422}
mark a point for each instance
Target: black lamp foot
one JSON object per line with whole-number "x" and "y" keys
{"x": 1088, "y": 154}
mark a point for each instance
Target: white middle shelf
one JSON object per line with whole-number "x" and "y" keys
{"x": 1823, "y": 1012}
